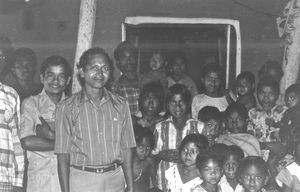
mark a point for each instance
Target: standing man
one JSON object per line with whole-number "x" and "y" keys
{"x": 11, "y": 155}
{"x": 37, "y": 125}
{"x": 128, "y": 84}
{"x": 94, "y": 133}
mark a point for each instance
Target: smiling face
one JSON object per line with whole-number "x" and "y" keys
{"x": 253, "y": 179}
{"x": 230, "y": 166}
{"x": 177, "y": 106}
{"x": 55, "y": 79}
{"x": 267, "y": 97}
{"x": 189, "y": 153}
{"x": 211, "y": 172}
{"x": 150, "y": 104}
{"x": 212, "y": 83}
{"x": 96, "y": 72}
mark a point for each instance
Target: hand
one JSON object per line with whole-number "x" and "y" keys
{"x": 17, "y": 189}
{"x": 44, "y": 130}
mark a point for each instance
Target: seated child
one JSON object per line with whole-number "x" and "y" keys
{"x": 245, "y": 89}
{"x": 229, "y": 181}
{"x": 170, "y": 132}
{"x": 151, "y": 103}
{"x": 253, "y": 174}
{"x": 184, "y": 176}
{"x": 143, "y": 165}
{"x": 214, "y": 94}
{"x": 177, "y": 68}
{"x": 289, "y": 178}
{"x": 236, "y": 123}
{"x": 211, "y": 117}
{"x": 157, "y": 70}
{"x": 210, "y": 168}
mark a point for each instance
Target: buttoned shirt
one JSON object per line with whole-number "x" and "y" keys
{"x": 12, "y": 155}
{"x": 93, "y": 134}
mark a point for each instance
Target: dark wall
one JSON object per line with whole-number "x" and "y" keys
{"x": 53, "y": 27}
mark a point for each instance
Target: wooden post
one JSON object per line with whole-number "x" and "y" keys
{"x": 291, "y": 34}
{"x": 86, "y": 27}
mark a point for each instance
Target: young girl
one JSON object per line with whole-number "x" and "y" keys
{"x": 212, "y": 118}
{"x": 289, "y": 178}
{"x": 170, "y": 132}
{"x": 236, "y": 117}
{"x": 210, "y": 170}
{"x": 253, "y": 174}
{"x": 177, "y": 70}
{"x": 214, "y": 94}
{"x": 229, "y": 181}
{"x": 151, "y": 103}
{"x": 143, "y": 165}
{"x": 184, "y": 175}
{"x": 245, "y": 89}
{"x": 157, "y": 71}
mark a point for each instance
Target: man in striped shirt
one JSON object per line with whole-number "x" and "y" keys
{"x": 94, "y": 133}
{"x": 11, "y": 155}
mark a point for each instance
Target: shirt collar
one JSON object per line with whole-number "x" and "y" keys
{"x": 43, "y": 93}
{"x": 84, "y": 98}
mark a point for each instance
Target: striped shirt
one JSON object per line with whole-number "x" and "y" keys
{"x": 12, "y": 154}
{"x": 168, "y": 137}
{"x": 93, "y": 135}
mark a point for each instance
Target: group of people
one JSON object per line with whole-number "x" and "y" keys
{"x": 150, "y": 132}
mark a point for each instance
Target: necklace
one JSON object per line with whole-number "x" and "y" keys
{"x": 139, "y": 175}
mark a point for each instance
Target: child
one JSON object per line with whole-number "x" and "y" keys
{"x": 210, "y": 168}
{"x": 261, "y": 119}
{"x": 143, "y": 165}
{"x": 289, "y": 178}
{"x": 151, "y": 104}
{"x": 229, "y": 181}
{"x": 177, "y": 69}
{"x": 157, "y": 70}
{"x": 184, "y": 176}
{"x": 253, "y": 174}
{"x": 211, "y": 117}
{"x": 236, "y": 123}
{"x": 245, "y": 89}
{"x": 213, "y": 92}
{"x": 22, "y": 73}
{"x": 170, "y": 132}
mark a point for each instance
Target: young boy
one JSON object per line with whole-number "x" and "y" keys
{"x": 245, "y": 89}
{"x": 22, "y": 73}
{"x": 37, "y": 125}
{"x": 128, "y": 84}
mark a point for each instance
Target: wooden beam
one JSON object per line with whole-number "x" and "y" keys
{"x": 86, "y": 28}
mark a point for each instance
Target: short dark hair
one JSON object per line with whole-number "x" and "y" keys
{"x": 204, "y": 157}
{"x": 295, "y": 88}
{"x": 215, "y": 68}
{"x": 83, "y": 61}
{"x": 273, "y": 85}
{"x": 200, "y": 141}
{"x": 181, "y": 90}
{"x": 253, "y": 160}
{"x": 208, "y": 113}
{"x": 140, "y": 133}
{"x": 55, "y": 61}
{"x": 236, "y": 107}
{"x": 24, "y": 53}
{"x": 125, "y": 45}
{"x": 268, "y": 66}
{"x": 249, "y": 76}
{"x": 156, "y": 89}
{"x": 219, "y": 149}
{"x": 235, "y": 151}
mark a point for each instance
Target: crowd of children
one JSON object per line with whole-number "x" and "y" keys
{"x": 220, "y": 140}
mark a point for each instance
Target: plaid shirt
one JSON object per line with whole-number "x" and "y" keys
{"x": 131, "y": 93}
{"x": 12, "y": 155}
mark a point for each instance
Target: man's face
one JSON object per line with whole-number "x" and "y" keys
{"x": 97, "y": 71}
{"x": 24, "y": 69}
{"x": 127, "y": 61}
{"x": 55, "y": 79}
